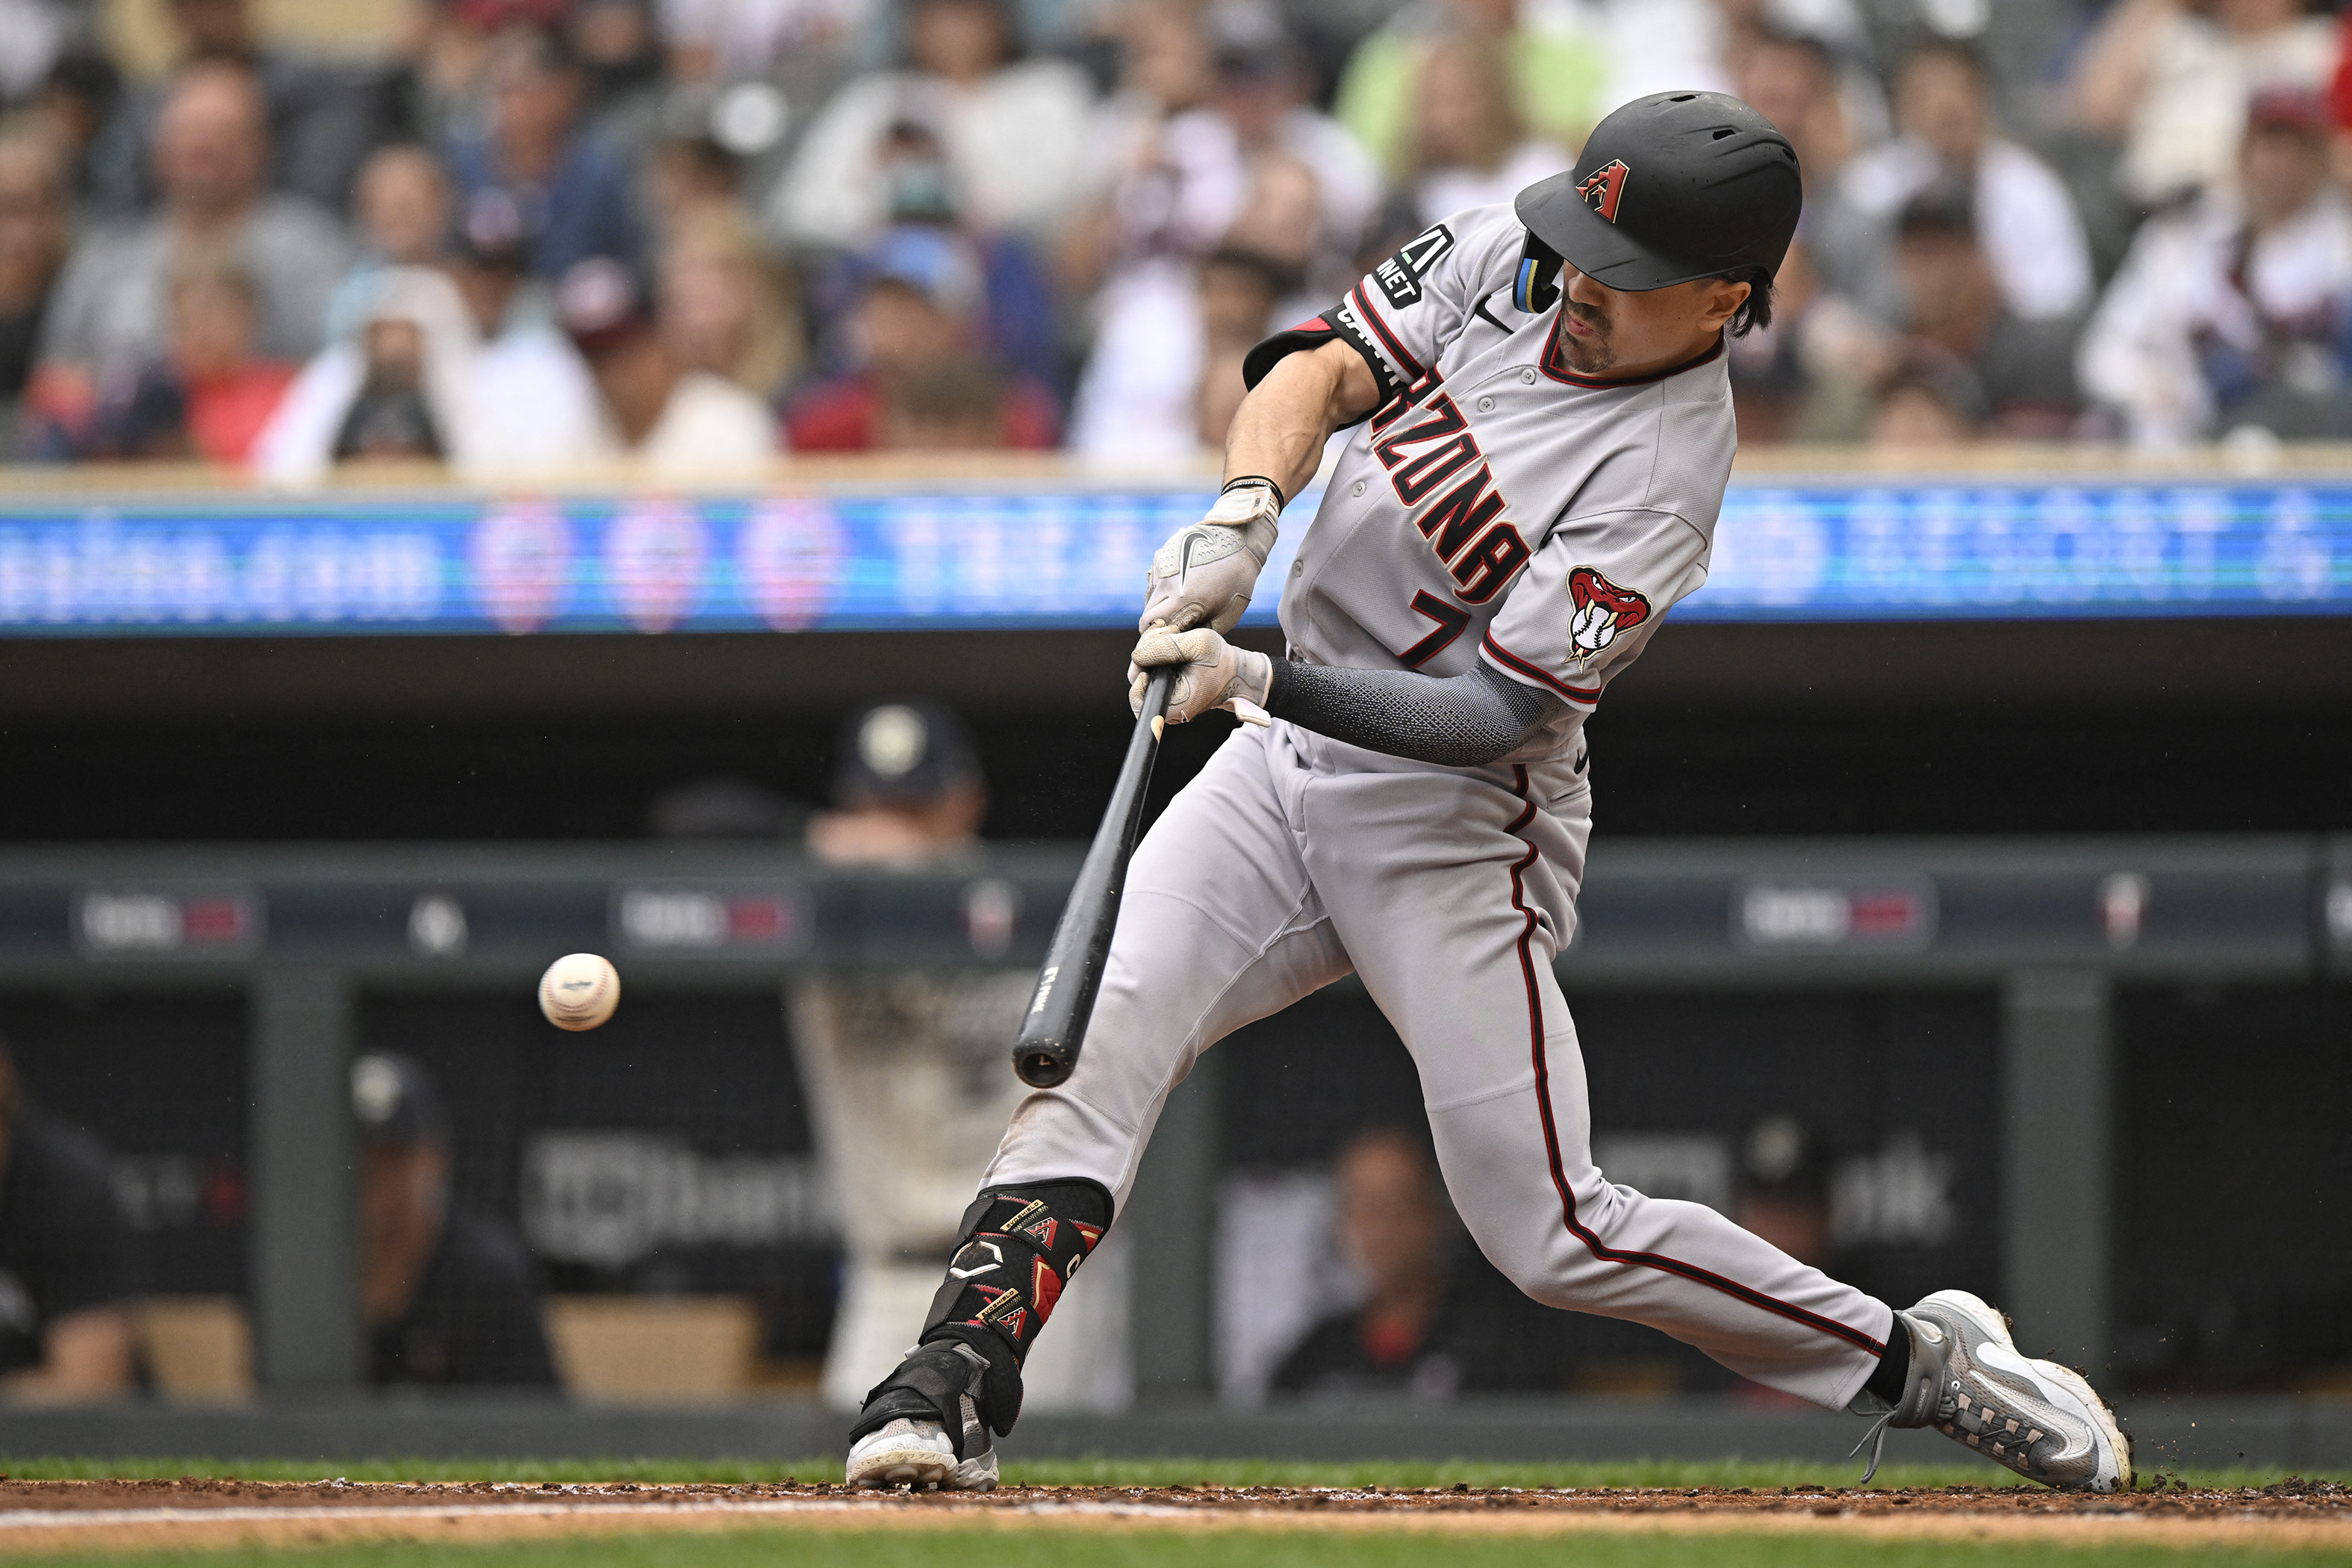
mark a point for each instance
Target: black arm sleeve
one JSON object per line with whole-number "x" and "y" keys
{"x": 1460, "y": 722}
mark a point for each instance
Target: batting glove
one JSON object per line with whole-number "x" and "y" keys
{"x": 1214, "y": 674}
{"x": 1204, "y": 574}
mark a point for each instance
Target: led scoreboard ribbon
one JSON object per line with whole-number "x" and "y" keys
{"x": 1813, "y": 552}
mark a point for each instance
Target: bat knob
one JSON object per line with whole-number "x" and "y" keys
{"x": 1042, "y": 1067}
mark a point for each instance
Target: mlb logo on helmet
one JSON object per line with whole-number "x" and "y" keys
{"x": 1602, "y": 610}
{"x": 1605, "y": 187}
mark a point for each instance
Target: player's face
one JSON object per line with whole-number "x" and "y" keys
{"x": 1622, "y": 333}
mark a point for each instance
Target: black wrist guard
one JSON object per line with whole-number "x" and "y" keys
{"x": 1280, "y": 500}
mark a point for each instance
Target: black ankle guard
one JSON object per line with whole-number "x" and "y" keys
{"x": 930, "y": 1386}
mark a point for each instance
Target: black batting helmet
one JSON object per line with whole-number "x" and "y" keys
{"x": 1671, "y": 188}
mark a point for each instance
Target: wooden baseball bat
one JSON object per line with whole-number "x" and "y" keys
{"x": 1053, "y": 1030}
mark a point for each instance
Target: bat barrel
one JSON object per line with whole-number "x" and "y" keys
{"x": 1046, "y": 1051}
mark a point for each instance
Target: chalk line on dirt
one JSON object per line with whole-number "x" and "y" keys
{"x": 167, "y": 1528}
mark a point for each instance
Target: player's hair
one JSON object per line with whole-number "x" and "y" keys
{"x": 1756, "y": 311}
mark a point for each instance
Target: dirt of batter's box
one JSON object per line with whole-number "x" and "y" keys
{"x": 2290, "y": 1499}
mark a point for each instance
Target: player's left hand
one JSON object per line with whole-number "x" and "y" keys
{"x": 1206, "y": 571}
{"x": 1215, "y": 674}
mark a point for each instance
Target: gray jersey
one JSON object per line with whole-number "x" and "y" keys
{"x": 1498, "y": 505}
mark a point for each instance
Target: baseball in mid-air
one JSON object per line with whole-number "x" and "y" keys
{"x": 578, "y": 991}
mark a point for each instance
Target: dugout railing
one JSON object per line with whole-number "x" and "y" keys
{"x": 2054, "y": 927}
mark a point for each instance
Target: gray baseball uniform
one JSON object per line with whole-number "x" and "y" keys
{"x": 1501, "y": 507}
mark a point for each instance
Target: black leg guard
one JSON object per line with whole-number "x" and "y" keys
{"x": 1021, "y": 1245}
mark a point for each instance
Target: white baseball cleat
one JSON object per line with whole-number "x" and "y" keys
{"x": 1969, "y": 1382}
{"x": 918, "y": 1454}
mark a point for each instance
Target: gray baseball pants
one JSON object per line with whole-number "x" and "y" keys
{"x": 1292, "y": 861}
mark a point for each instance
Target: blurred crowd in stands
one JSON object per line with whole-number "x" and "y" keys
{"x": 516, "y": 235}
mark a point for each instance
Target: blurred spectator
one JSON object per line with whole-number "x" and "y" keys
{"x": 532, "y": 408}
{"x": 80, "y": 101}
{"x": 2171, "y": 79}
{"x": 209, "y": 398}
{"x": 2239, "y": 311}
{"x": 1017, "y": 307}
{"x": 923, "y": 376}
{"x": 111, "y": 309}
{"x": 690, "y": 175}
{"x": 391, "y": 418}
{"x": 1551, "y": 81}
{"x": 1014, "y": 131}
{"x": 449, "y": 1295}
{"x": 1263, "y": 103}
{"x": 1792, "y": 79}
{"x": 620, "y": 55}
{"x": 2024, "y": 216}
{"x": 1252, "y": 168}
{"x": 227, "y": 393}
{"x": 1468, "y": 147}
{"x": 403, "y": 206}
{"x": 1772, "y": 381}
{"x": 34, "y": 233}
{"x": 1952, "y": 299}
{"x": 1239, "y": 292}
{"x": 1424, "y": 1328}
{"x": 571, "y": 186}
{"x": 65, "y": 1260}
{"x": 1929, "y": 401}
{"x": 397, "y": 386}
{"x": 671, "y": 418}
{"x": 322, "y": 117}
{"x": 727, "y": 306}
{"x": 1142, "y": 392}
{"x": 33, "y": 35}
{"x": 732, "y": 39}
{"x": 403, "y": 221}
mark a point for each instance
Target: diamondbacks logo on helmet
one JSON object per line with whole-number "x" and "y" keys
{"x": 1605, "y": 188}
{"x": 1399, "y": 276}
{"x": 1602, "y": 610}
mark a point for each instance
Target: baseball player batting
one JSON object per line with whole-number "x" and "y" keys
{"x": 1542, "y": 433}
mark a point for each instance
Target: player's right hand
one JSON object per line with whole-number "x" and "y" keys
{"x": 1213, "y": 674}
{"x": 1203, "y": 575}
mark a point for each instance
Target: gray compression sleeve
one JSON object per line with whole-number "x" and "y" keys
{"x": 1460, "y": 721}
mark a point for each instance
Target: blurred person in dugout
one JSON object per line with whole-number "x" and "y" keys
{"x": 2237, "y": 313}
{"x": 1784, "y": 1196}
{"x": 910, "y": 1072}
{"x": 66, "y": 1262}
{"x": 1424, "y": 1327}
{"x": 449, "y": 1296}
